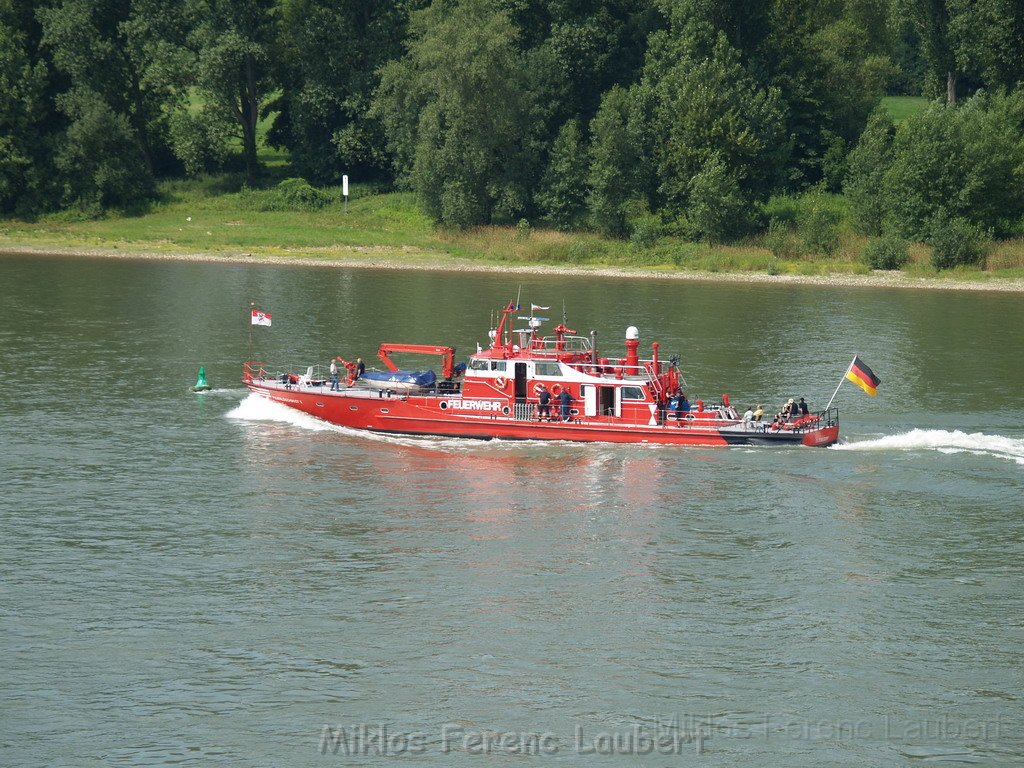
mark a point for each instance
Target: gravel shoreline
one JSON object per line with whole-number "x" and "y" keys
{"x": 368, "y": 260}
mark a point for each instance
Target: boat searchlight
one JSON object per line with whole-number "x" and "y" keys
{"x": 632, "y": 345}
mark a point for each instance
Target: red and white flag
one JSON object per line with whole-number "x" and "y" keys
{"x": 535, "y": 307}
{"x": 260, "y": 318}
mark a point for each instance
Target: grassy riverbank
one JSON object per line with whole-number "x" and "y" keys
{"x": 213, "y": 216}
{"x": 216, "y": 217}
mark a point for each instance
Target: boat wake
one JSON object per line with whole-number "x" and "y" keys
{"x": 943, "y": 441}
{"x": 256, "y": 408}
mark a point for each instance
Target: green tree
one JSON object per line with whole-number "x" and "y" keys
{"x": 958, "y": 162}
{"x": 233, "y": 42}
{"x": 26, "y": 119}
{"x": 827, "y": 62}
{"x": 979, "y": 43}
{"x": 866, "y": 167}
{"x": 108, "y": 50}
{"x": 717, "y": 209}
{"x": 100, "y": 159}
{"x": 330, "y": 52}
{"x": 458, "y": 115}
{"x": 708, "y": 106}
{"x": 577, "y": 51}
{"x": 563, "y": 190}
{"x": 990, "y": 37}
{"x": 617, "y": 164}
{"x": 930, "y": 20}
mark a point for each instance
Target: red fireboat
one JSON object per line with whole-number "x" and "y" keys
{"x": 526, "y": 386}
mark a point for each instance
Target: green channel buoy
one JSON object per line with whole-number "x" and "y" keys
{"x": 201, "y": 385}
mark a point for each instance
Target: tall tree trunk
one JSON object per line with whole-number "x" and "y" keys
{"x": 138, "y": 120}
{"x": 250, "y": 117}
{"x": 951, "y": 78}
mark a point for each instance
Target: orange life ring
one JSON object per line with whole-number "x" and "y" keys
{"x": 500, "y": 382}
{"x": 556, "y": 389}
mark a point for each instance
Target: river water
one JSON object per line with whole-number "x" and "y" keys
{"x": 210, "y": 580}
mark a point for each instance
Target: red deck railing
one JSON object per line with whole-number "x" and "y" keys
{"x": 253, "y": 370}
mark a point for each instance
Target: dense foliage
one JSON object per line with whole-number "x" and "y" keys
{"x": 633, "y": 118}
{"x": 948, "y": 162}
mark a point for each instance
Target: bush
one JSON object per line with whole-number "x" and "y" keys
{"x": 99, "y": 161}
{"x": 819, "y": 227}
{"x": 782, "y": 209}
{"x": 289, "y": 195}
{"x": 297, "y": 194}
{"x": 960, "y": 161}
{"x": 781, "y": 241}
{"x": 646, "y": 232}
{"x": 461, "y": 206}
{"x": 886, "y": 253}
{"x": 955, "y": 242}
{"x": 717, "y": 209}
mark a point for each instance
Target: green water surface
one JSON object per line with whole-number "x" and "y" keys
{"x": 210, "y": 580}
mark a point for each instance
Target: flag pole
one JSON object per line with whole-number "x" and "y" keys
{"x": 841, "y": 382}
{"x": 252, "y": 306}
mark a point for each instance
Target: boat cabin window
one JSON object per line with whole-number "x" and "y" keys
{"x": 632, "y": 393}
{"x": 548, "y": 369}
{"x": 498, "y": 365}
{"x": 478, "y": 365}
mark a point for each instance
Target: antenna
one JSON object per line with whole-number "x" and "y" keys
{"x": 564, "y": 320}
{"x": 518, "y": 295}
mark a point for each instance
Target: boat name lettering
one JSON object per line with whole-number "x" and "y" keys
{"x": 475, "y": 405}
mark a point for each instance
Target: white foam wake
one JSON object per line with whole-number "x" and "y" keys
{"x": 256, "y": 408}
{"x": 944, "y": 441}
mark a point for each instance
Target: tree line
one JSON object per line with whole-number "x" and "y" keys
{"x": 683, "y": 116}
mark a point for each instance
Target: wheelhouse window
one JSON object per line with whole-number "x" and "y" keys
{"x": 477, "y": 365}
{"x": 548, "y": 369}
{"x": 498, "y": 365}
{"x": 632, "y": 393}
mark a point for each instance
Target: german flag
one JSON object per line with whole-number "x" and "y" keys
{"x": 863, "y": 377}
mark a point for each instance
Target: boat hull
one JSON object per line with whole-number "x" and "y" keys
{"x": 489, "y": 419}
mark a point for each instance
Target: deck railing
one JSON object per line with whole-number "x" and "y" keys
{"x": 809, "y": 423}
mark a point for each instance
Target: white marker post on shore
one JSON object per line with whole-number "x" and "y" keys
{"x": 344, "y": 190}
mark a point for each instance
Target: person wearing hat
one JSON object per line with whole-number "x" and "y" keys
{"x": 758, "y": 412}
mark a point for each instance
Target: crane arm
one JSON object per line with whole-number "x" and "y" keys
{"x": 447, "y": 355}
